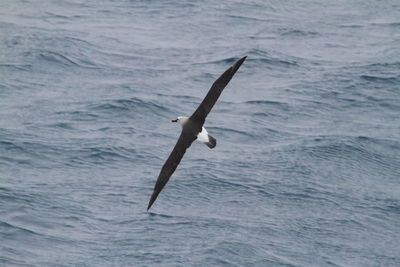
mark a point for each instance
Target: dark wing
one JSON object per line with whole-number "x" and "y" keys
{"x": 184, "y": 141}
{"x": 215, "y": 91}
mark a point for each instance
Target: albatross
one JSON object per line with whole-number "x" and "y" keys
{"x": 192, "y": 129}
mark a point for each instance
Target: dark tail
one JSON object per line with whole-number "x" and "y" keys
{"x": 212, "y": 142}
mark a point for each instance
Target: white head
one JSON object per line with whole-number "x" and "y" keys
{"x": 181, "y": 120}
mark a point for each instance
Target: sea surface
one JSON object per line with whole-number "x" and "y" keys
{"x": 306, "y": 171}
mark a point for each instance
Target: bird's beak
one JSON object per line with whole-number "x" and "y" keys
{"x": 176, "y": 120}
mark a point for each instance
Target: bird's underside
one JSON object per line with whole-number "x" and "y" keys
{"x": 192, "y": 129}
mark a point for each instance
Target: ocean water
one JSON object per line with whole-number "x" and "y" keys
{"x": 307, "y": 167}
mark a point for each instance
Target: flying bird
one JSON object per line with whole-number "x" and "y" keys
{"x": 192, "y": 129}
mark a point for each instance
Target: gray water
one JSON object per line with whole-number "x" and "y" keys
{"x": 307, "y": 167}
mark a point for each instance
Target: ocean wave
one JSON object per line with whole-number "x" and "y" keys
{"x": 281, "y": 105}
{"x": 77, "y": 115}
{"x": 225, "y": 61}
{"x": 297, "y": 33}
{"x": 273, "y": 58}
{"x": 17, "y": 67}
{"x": 140, "y": 106}
{"x": 32, "y": 153}
{"x": 382, "y": 65}
{"x": 17, "y": 230}
{"x": 51, "y": 16}
{"x": 249, "y": 18}
{"x": 355, "y": 151}
{"x": 387, "y": 24}
{"x": 62, "y": 125}
{"x": 230, "y": 131}
{"x": 105, "y": 156}
{"x": 380, "y": 79}
{"x": 63, "y": 60}
{"x": 259, "y": 57}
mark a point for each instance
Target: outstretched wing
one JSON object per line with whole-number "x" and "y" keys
{"x": 215, "y": 91}
{"x": 184, "y": 141}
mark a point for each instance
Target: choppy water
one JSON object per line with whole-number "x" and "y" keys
{"x": 307, "y": 167}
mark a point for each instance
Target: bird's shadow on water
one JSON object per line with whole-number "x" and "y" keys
{"x": 153, "y": 214}
{"x": 161, "y": 217}
{"x": 156, "y": 220}
{"x": 147, "y": 216}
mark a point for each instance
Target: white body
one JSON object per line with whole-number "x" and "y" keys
{"x": 203, "y": 136}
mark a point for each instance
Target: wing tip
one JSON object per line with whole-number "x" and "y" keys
{"x": 242, "y": 59}
{"x": 150, "y": 204}
{"x": 238, "y": 63}
{"x": 152, "y": 200}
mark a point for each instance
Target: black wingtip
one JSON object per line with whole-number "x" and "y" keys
{"x": 238, "y": 63}
{"x": 152, "y": 199}
{"x": 149, "y": 206}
